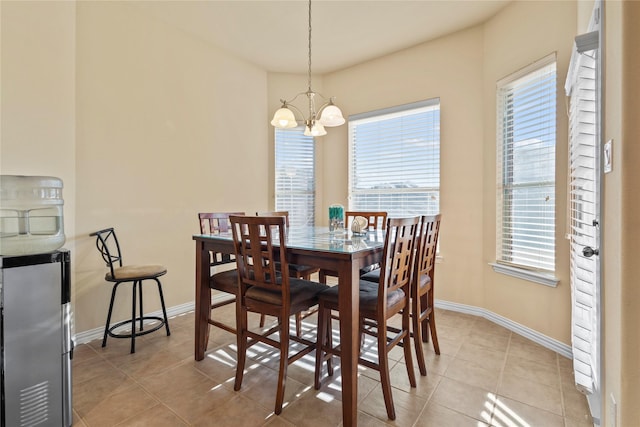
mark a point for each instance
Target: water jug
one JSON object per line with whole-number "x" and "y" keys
{"x": 31, "y": 219}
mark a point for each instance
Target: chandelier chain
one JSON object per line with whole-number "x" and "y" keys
{"x": 309, "y": 73}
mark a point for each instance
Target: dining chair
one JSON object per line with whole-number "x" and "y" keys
{"x": 379, "y": 302}
{"x": 222, "y": 281}
{"x": 118, "y": 273}
{"x": 422, "y": 287}
{"x": 295, "y": 270}
{"x": 258, "y": 242}
{"x": 375, "y": 221}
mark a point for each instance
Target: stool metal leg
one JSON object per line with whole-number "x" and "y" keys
{"x": 133, "y": 319}
{"x": 164, "y": 310}
{"x": 106, "y": 328}
{"x": 141, "y": 309}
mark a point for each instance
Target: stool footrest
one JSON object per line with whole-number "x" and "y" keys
{"x": 138, "y": 332}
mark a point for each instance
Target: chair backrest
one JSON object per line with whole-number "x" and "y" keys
{"x": 427, "y": 245}
{"x": 376, "y": 219}
{"x": 254, "y": 240}
{"x": 276, "y": 213}
{"x": 109, "y": 248}
{"x": 398, "y": 257}
{"x": 216, "y": 223}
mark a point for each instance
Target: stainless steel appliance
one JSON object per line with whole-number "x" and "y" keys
{"x": 35, "y": 340}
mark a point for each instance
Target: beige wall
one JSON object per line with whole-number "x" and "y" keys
{"x": 535, "y": 29}
{"x": 449, "y": 68}
{"x": 621, "y": 221}
{"x": 462, "y": 69}
{"x": 146, "y": 124}
{"x": 166, "y": 126}
{"x": 38, "y": 97}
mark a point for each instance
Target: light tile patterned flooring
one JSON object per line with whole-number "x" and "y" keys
{"x": 485, "y": 376}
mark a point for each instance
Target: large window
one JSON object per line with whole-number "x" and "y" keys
{"x": 395, "y": 160}
{"x": 526, "y": 147}
{"x": 295, "y": 175}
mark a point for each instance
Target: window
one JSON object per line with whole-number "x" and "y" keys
{"x": 526, "y": 145}
{"x": 295, "y": 175}
{"x": 395, "y": 160}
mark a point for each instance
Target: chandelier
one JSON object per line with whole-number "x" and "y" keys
{"x": 328, "y": 115}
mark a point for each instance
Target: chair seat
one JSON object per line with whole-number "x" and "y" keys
{"x": 133, "y": 272}
{"x": 368, "y": 296}
{"x": 300, "y": 291}
{"x": 374, "y": 276}
{"x": 371, "y": 276}
{"x": 226, "y": 281}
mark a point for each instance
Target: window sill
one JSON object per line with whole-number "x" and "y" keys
{"x": 532, "y": 276}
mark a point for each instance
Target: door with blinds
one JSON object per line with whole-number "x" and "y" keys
{"x": 583, "y": 90}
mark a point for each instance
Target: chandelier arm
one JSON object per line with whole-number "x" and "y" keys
{"x": 296, "y": 109}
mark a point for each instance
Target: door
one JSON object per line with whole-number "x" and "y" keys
{"x": 583, "y": 88}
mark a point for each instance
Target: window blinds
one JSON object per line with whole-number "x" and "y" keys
{"x": 526, "y": 144}
{"x": 581, "y": 87}
{"x": 395, "y": 160}
{"x": 295, "y": 175}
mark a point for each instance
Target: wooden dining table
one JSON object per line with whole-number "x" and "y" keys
{"x": 340, "y": 252}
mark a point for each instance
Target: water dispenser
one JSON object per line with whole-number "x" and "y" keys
{"x": 31, "y": 219}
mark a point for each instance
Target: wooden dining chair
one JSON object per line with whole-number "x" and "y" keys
{"x": 379, "y": 302}
{"x": 295, "y": 270}
{"x": 258, "y": 242}
{"x": 422, "y": 286}
{"x": 422, "y": 309}
{"x": 375, "y": 221}
{"x": 223, "y": 281}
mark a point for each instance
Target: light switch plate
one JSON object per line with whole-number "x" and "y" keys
{"x": 608, "y": 156}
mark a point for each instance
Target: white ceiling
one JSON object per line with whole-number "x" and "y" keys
{"x": 273, "y": 33}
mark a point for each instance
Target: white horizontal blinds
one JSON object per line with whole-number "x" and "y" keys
{"x": 295, "y": 175}
{"x": 583, "y": 172}
{"x": 526, "y": 133}
{"x": 395, "y": 160}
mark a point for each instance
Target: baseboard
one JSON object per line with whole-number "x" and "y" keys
{"x": 543, "y": 340}
{"x": 97, "y": 333}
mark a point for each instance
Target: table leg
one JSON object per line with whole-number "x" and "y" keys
{"x": 203, "y": 301}
{"x": 349, "y": 305}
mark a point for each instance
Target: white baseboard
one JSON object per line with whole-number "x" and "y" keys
{"x": 97, "y": 333}
{"x": 543, "y": 340}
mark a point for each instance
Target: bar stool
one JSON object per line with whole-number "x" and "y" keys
{"x": 107, "y": 244}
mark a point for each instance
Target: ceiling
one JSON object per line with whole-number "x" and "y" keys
{"x": 274, "y": 33}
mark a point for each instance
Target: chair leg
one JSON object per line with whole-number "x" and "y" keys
{"x": 406, "y": 345}
{"x": 322, "y": 278}
{"x": 164, "y": 309}
{"x": 106, "y": 327}
{"x": 417, "y": 328}
{"x": 284, "y": 363}
{"x": 320, "y": 345}
{"x": 262, "y": 317}
{"x": 432, "y": 326}
{"x": 298, "y": 324}
{"x": 385, "y": 380}
{"x": 241, "y": 327}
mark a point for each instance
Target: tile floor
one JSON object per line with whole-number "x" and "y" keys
{"x": 485, "y": 376}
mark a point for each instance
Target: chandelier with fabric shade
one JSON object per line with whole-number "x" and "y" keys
{"x": 328, "y": 115}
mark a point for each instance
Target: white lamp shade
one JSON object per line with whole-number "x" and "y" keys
{"x": 316, "y": 130}
{"x": 284, "y": 118}
{"x": 331, "y": 116}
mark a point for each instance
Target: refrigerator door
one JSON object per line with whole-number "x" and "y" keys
{"x": 33, "y": 345}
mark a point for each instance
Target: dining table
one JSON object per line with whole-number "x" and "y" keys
{"x": 339, "y": 251}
